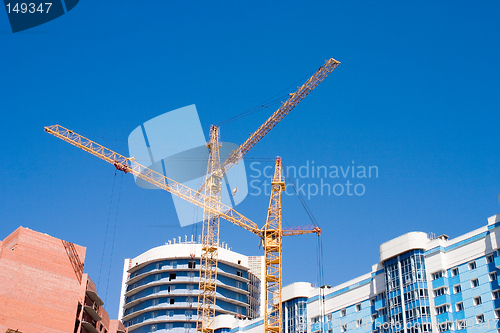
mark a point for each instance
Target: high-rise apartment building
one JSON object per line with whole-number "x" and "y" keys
{"x": 160, "y": 288}
{"x": 422, "y": 284}
{"x": 43, "y": 288}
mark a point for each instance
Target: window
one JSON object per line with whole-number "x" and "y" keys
{"x": 343, "y": 328}
{"x": 157, "y": 277}
{"x": 169, "y": 313}
{"x": 191, "y": 274}
{"x": 382, "y": 312}
{"x": 189, "y": 314}
{"x": 358, "y": 307}
{"x": 359, "y": 323}
{"x": 457, "y": 289}
{"x": 171, "y": 288}
{"x": 438, "y": 275}
{"x": 192, "y": 264}
{"x": 477, "y": 300}
{"x": 495, "y": 294}
{"x": 174, "y": 264}
{"x": 493, "y": 276}
{"x": 156, "y": 301}
{"x": 154, "y": 314}
{"x": 172, "y": 276}
{"x": 380, "y": 296}
{"x": 480, "y": 319}
{"x": 172, "y": 300}
{"x": 459, "y": 306}
{"x": 153, "y": 328}
{"x": 189, "y": 299}
{"x": 489, "y": 259}
{"x": 454, "y": 271}
{"x": 156, "y": 289}
{"x": 497, "y": 313}
{"x": 472, "y": 265}
{"x": 425, "y": 311}
{"x": 440, "y": 291}
{"x": 474, "y": 283}
{"x": 342, "y": 313}
{"x": 157, "y": 265}
{"x": 169, "y": 326}
{"x": 461, "y": 324}
{"x": 424, "y": 293}
{"x": 187, "y": 325}
{"x": 372, "y": 301}
{"x": 329, "y": 317}
{"x": 190, "y": 287}
{"x": 239, "y": 285}
{"x": 442, "y": 309}
{"x": 239, "y": 273}
{"x": 374, "y": 317}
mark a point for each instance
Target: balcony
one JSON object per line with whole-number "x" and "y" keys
{"x": 89, "y": 323}
{"x": 380, "y": 304}
{"x": 92, "y": 309}
{"x": 441, "y": 282}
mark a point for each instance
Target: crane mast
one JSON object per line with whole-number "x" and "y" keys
{"x": 210, "y": 237}
{"x": 272, "y": 236}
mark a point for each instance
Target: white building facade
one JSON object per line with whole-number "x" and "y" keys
{"x": 160, "y": 288}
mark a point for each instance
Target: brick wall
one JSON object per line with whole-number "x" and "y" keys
{"x": 39, "y": 289}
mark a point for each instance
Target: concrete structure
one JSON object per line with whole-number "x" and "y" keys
{"x": 160, "y": 287}
{"x": 43, "y": 288}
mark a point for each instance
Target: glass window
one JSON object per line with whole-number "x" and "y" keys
{"x": 489, "y": 259}
{"x": 457, "y": 289}
{"x": 358, "y": 307}
{"x": 493, "y": 276}
{"x": 480, "y": 319}
{"x": 454, "y": 271}
{"x": 477, "y": 300}
{"x": 472, "y": 265}
{"x": 459, "y": 306}
{"x": 474, "y": 283}
{"x": 342, "y": 313}
{"x": 440, "y": 291}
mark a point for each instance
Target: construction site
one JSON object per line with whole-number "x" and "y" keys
{"x": 302, "y": 168}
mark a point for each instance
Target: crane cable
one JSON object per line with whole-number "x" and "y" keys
{"x": 106, "y": 233}
{"x": 313, "y": 220}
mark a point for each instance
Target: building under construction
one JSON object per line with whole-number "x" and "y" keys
{"x": 43, "y": 288}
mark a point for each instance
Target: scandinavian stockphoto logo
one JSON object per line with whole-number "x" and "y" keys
{"x": 28, "y": 14}
{"x": 173, "y": 144}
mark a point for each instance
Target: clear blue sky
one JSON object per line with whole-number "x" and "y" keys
{"x": 417, "y": 95}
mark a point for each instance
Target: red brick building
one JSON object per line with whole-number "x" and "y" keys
{"x": 43, "y": 288}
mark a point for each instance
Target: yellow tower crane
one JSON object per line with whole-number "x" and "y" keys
{"x": 208, "y": 197}
{"x": 271, "y": 233}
